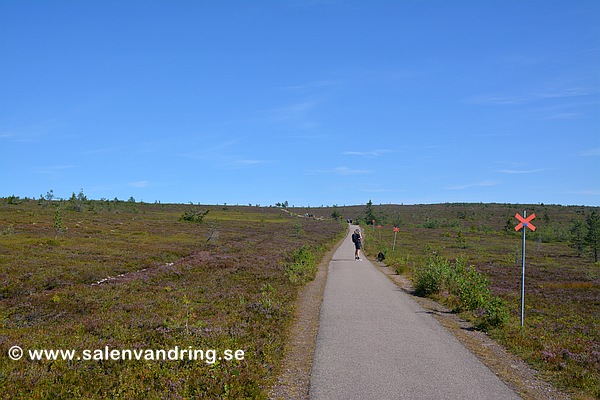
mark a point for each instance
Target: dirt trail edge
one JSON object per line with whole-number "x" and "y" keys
{"x": 294, "y": 378}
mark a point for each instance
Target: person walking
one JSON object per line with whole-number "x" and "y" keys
{"x": 357, "y": 240}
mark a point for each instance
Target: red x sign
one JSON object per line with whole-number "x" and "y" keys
{"x": 396, "y": 229}
{"x": 525, "y": 222}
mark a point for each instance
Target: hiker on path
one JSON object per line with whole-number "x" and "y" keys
{"x": 357, "y": 240}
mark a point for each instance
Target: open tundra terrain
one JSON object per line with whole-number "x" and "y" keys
{"x": 154, "y": 305}
{"x": 193, "y": 301}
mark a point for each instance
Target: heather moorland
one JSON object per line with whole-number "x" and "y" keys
{"x": 80, "y": 274}
{"x": 99, "y": 276}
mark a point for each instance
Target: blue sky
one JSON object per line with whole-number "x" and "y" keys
{"x": 310, "y": 102}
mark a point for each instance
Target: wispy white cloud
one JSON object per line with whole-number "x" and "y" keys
{"x": 344, "y": 171}
{"x": 106, "y": 150}
{"x": 491, "y": 135}
{"x": 209, "y": 150}
{"x": 20, "y": 137}
{"x": 517, "y": 171}
{"x": 313, "y": 3}
{"x": 514, "y": 99}
{"x": 350, "y": 171}
{"x": 228, "y": 154}
{"x": 315, "y": 85}
{"x": 564, "y": 115}
{"x": 372, "y": 153}
{"x": 250, "y": 162}
{"x": 495, "y": 99}
{"x": 472, "y": 185}
{"x": 231, "y": 161}
{"x": 295, "y": 113}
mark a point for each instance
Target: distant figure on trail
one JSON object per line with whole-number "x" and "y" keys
{"x": 356, "y": 239}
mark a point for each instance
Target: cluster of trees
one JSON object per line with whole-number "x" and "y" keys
{"x": 585, "y": 236}
{"x": 380, "y": 219}
{"x": 76, "y": 200}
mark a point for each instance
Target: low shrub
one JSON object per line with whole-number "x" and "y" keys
{"x": 430, "y": 279}
{"x": 469, "y": 286}
{"x": 301, "y": 265}
{"x": 464, "y": 288}
{"x": 194, "y": 216}
{"x": 494, "y": 314}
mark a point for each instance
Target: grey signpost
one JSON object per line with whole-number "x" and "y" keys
{"x": 525, "y": 222}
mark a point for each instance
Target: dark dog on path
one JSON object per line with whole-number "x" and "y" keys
{"x": 380, "y": 257}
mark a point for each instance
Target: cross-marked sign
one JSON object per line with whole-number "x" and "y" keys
{"x": 396, "y": 230}
{"x": 525, "y": 222}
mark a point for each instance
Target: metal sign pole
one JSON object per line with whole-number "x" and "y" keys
{"x": 525, "y": 222}
{"x": 523, "y": 277}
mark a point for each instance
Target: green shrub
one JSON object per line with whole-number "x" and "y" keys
{"x": 464, "y": 287}
{"x": 495, "y": 314}
{"x": 400, "y": 264}
{"x": 57, "y": 222}
{"x": 430, "y": 279}
{"x": 194, "y": 216}
{"x": 301, "y": 265}
{"x": 431, "y": 223}
{"x": 468, "y": 285}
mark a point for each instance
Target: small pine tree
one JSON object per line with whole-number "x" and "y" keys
{"x": 592, "y": 238}
{"x": 335, "y": 214}
{"x": 369, "y": 213}
{"x": 81, "y": 197}
{"x": 461, "y": 241}
{"x": 57, "y": 223}
{"x": 577, "y": 236}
